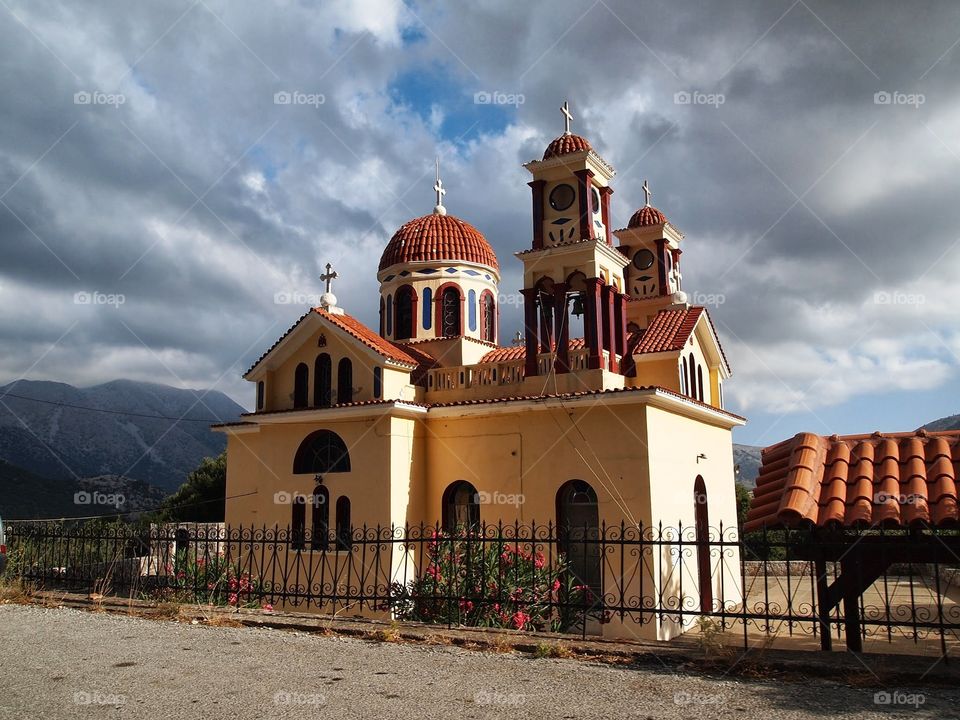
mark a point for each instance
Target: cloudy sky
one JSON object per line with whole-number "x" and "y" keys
{"x": 810, "y": 152}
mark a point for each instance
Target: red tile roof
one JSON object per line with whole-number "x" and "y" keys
{"x": 438, "y": 237}
{"x": 894, "y": 480}
{"x": 669, "y": 330}
{"x": 368, "y": 337}
{"x": 518, "y": 352}
{"x": 566, "y": 144}
{"x": 647, "y": 215}
{"x": 365, "y": 335}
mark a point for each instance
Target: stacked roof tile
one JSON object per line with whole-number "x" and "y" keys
{"x": 891, "y": 480}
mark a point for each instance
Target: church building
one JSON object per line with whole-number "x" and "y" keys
{"x": 606, "y": 410}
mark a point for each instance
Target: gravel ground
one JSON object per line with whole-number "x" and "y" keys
{"x": 61, "y": 663}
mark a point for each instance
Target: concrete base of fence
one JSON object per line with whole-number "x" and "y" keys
{"x": 683, "y": 653}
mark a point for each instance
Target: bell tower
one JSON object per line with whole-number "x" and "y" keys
{"x": 652, "y": 277}
{"x": 572, "y": 266}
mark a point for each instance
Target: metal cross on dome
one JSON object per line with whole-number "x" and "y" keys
{"x": 646, "y": 193}
{"x": 330, "y": 276}
{"x": 567, "y": 117}
{"x": 438, "y": 188}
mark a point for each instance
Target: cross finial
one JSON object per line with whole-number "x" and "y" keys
{"x": 438, "y": 188}
{"x": 329, "y": 276}
{"x": 646, "y": 194}
{"x": 567, "y": 117}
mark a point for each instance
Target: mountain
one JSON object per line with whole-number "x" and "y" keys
{"x": 25, "y": 495}
{"x": 947, "y": 423}
{"x": 748, "y": 458}
{"x": 60, "y": 432}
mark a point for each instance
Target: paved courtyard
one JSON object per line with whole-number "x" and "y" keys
{"x": 62, "y": 663}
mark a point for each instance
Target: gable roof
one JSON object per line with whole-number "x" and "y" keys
{"x": 670, "y": 330}
{"x": 358, "y": 331}
{"x": 887, "y": 479}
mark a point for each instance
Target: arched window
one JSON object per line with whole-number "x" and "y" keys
{"x": 488, "y": 317}
{"x": 322, "y": 373}
{"x": 692, "y": 376}
{"x": 298, "y": 522}
{"x": 702, "y": 518}
{"x": 427, "y": 308}
{"x": 683, "y": 377}
{"x": 472, "y": 310}
{"x": 461, "y": 507}
{"x": 450, "y": 321}
{"x": 377, "y": 382}
{"x": 344, "y": 528}
{"x": 383, "y": 328}
{"x": 578, "y": 533}
{"x": 321, "y": 452}
{"x": 699, "y": 382}
{"x": 389, "y": 315}
{"x": 404, "y": 325}
{"x": 260, "y": 394}
{"x": 320, "y": 520}
{"x": 301, "y": 380}
{"x": 344, "y": 381}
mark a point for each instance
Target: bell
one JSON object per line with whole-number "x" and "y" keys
{"x": 578, "y": 306}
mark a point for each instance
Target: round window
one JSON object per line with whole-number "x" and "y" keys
{"x": 562, "y": 197}
{"x": 643, "y": 259}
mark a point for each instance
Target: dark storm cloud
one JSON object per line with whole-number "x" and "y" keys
{"x": 201, "y": 201}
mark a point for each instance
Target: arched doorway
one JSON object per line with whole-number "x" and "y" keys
{"x": 702, "y": 520}
{"x": 461, "y": 509}
{"x": 578, "y": 534}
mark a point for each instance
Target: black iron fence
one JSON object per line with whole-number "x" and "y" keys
{"x": 867, "y": 586}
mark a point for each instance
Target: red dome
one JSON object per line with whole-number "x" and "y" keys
{"x": 438, "y": 237}
{"x": 647, "y": 215}
{"x": 566, "y": 144}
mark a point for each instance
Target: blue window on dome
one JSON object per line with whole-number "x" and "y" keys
{"x": 389, "y": 315}
{"x": 472, "y": 311}
{"x": 427, "y": 308}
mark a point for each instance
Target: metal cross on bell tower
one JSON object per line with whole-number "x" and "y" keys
{"x": 567, "y": 117}
{"x": 646, "y": 194}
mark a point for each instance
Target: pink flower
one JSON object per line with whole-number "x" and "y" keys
{"x": 232, "y": 599}
{"x": 520, "y": 619}
{"x": 267, "y": 607}
{"x": 556, "y": 585}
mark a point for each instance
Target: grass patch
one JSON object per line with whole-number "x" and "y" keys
{"x": 552, "y": 650}
{"x": 15, "y": 592}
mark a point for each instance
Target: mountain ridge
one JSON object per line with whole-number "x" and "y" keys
{"x": 136, "y": 430}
